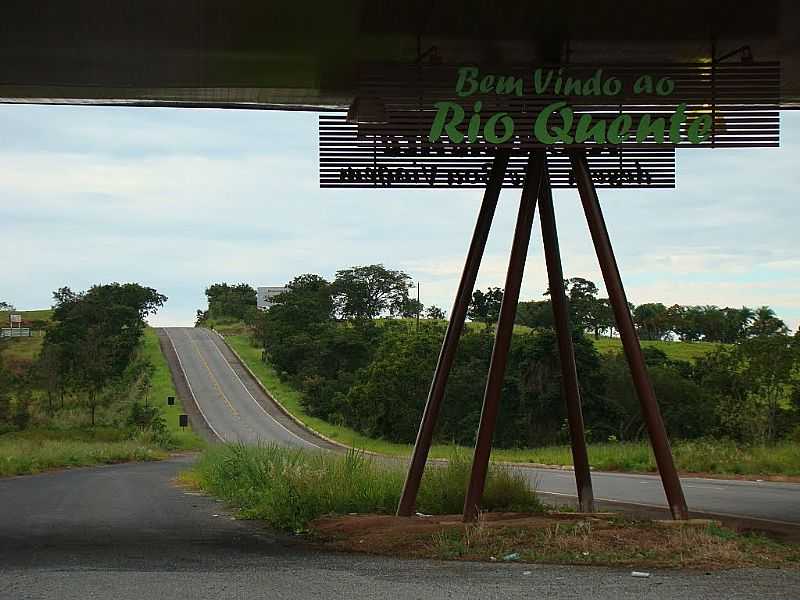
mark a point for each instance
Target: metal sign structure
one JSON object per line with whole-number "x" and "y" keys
{"x": 539, "y": 128}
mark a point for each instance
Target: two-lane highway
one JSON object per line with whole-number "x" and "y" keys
{"x": 238, "y": 410}
{"x": 234, "y": 410}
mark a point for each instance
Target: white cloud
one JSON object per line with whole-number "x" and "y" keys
{"x": 178, "y": 199}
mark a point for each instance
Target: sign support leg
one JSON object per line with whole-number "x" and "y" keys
{"x": 455, "y": 326}
{"x": 569, "y": 372}
{"x": 502, "y": 340}
{"x": 627, "y": 332}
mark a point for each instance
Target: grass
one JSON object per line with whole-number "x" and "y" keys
{"x": 21, "y": 349}
{"x": 64, "y": 440}
{"x": 43, "y": 314}
{"x": 289, "y": 488}
{"x": 162, "y": 386}
{"x": 34, "y": 451}
{"x": 717, "y": 457}
{"x": 227, "y": 326}
{"x": 688, "y": 351}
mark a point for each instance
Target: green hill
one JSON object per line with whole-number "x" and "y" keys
{"x": 42, "y": 314}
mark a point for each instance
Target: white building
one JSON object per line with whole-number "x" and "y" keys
{"x": 264, "y": 295}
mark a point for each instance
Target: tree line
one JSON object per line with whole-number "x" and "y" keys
{"x": 655, "y": 320}
{"x": 357, "y": 293}
{"x": 368, "y": 292}
{"x": 373, "y": 374}
{"x": 89, "y": 357}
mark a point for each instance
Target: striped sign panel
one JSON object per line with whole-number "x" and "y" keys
{"x": 736, "y": 104}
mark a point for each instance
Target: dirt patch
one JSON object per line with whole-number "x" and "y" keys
{"x": 563, "y": 538}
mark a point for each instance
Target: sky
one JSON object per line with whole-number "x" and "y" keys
{"x": 177, "y": 199}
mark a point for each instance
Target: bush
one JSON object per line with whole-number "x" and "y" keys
{"x": 146, "y": 417}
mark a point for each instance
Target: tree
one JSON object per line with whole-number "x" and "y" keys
{"x": 601, "y": 317}
{"x": 752, "y": 383}
{"x": 387, "y": 398}
{"x": 233, "y": 301}
{"x": 537, "y": 314}
{"x": 533, "y": 412}
{"x": 765, "y": 322}
{"x": 681, "y": 323}
{"x": 5, "y": 306}
{"x": 582, "y": 296}
{"x": 435, "y": 313}
{"x": 94, "y": 337}
{"x": 768, "y": 363}
{"x": 96, "y": 371}
{"x": 737, "y": 321}
{"x": 485, "y": 306}
{"x": 50, "y": 373}
{"x": 652, "y": 320}
{"x": 411, "y": 308}
{"x": 686, "y": 406}
{"x": 304, "y": 306}
{"x": 369, "y": 291}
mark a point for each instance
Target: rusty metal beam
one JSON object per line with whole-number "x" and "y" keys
{"x": 569, "y": 372}
{"x": 627, "y": 332}
{"x": 502, "y": 340}
{"x": 447, "y": 354}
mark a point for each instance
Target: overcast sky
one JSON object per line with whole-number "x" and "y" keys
{"x": 177, "y": 199}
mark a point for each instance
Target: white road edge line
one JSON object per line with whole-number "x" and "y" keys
{"x": 665, "y": 507}
{"x": 239, "y": 379}
{"x": 191, "y": 391}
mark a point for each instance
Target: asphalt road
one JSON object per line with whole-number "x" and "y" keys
{"x": 233, "y": 406}
{"x": 237, "y": 409}
{"x": 126, "y": 532}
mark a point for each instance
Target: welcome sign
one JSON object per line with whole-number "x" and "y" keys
{"x": 440, "y": 125}
{"x": 498, "y": 128}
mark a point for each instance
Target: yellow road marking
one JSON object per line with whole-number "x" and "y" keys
{"x": 211, "y": 375}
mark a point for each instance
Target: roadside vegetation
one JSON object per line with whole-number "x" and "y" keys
{"x": 93, "y": 390}
{"x": 715, "y": 457}
{"x": 288, "y": 488}
{"x": 347, "y": 501}
{"x": 349, "y": 359}
{"x": 39, "y": 449}
{"x": 721, "y": 457}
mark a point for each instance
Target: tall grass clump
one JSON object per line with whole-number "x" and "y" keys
{"x": 288, "y": 488}
{"x": 442, "y": 489}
